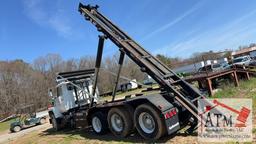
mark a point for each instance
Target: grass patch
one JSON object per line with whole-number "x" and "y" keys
{"x": 246, "y": 89}
{"x": 6, "y": 125}
{"x": 254, "y": 130}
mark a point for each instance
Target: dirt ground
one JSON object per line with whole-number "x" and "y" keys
{"x": 44, "y": 134}
{"x": 49, "y": 136}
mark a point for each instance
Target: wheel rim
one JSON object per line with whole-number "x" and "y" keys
{"x": 117, "y": 122}
{"x": 146, "y": 122}
{"x": 16, "y": 128}
{"x": 42, "y": 121}
{"x": 96, "y": 124}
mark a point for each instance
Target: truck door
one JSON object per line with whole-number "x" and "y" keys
{"x": 59, "y": 100}
{"x": 68, "y": 97}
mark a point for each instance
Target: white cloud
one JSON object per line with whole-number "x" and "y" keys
{"x": 60, "y": 24}
{"x": 175, "y": 21}
{"x": 35, "y": 10}
{"x": 231, "y": 35}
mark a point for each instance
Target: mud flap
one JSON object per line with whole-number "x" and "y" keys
{"x": 171, "y": 121}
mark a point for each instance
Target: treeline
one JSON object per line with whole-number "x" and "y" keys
{"x": 174, "y": 62}
{"x": 24, "y": 83}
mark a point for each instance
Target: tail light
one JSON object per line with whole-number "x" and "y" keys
{"x": 170, "y": 114}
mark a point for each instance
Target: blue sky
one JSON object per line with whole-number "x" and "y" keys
{"x": 33, "y": 28}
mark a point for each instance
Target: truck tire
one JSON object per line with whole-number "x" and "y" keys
{"x": 99, "y": 123}
{"x": 16, "y": 128}
{"x": 148, "y": 122}
{"x": 120, "y": 121}
{"x": 55, "y": 123}
{"x": 72, "y": 123}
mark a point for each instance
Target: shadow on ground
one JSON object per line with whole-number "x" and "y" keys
{"x": 88, "y": 134}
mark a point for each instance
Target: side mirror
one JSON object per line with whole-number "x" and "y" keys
{"x": 50, "y": 93}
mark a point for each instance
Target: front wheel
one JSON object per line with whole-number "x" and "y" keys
{"x": 148, "y": 122}
{"x": 55, "y": 123}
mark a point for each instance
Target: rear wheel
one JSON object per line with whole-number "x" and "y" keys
{"x": 120, "y": 121}
{"x": 42, "y": 121}
{"x": 16, "y": 128}
{"x": 99, "y": 123}
{"x": 148, "y": 122}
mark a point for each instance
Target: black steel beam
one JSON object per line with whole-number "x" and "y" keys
{"x": 97, "y": 65}
{"x": 120, "y": 63}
